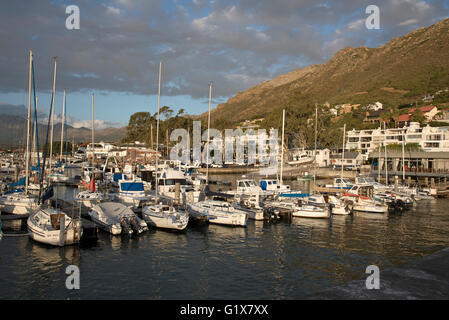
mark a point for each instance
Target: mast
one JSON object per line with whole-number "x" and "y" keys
{"x": 343, "y": 149}
{"x": 386, "y": 159}
{"x": 157, "y": 126}
{"x": 208, "y": 134}
{"x": 282, "y": 150}
{"x": 62, "y": 127}
{"x": 52, "y": 111}
{"x": 403, "y": 157}
{"x": 27, "y": 163}
{"x": 93, "y": 130}
{"x": 314, "y": 159}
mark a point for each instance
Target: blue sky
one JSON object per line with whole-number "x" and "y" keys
{"x": 235, "y": 44}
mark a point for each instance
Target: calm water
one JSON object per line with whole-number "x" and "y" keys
{"x": 288, "y": 260}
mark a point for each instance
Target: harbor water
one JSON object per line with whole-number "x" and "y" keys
{"x": 288, "y": 260}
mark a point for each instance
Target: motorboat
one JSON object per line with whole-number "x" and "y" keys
{"x": 168, "y": 178}
{"x": 338, "y": 206}
{"x": 361, "y": 198}
{"x": 218, "y": 212}
{"x": 131, "y": 193}
{"x": 273, "y": 185}
{"x": 165, "y": 216}
{"x": 117, "y": 218}
{"x": 89, "y": 198}
{"x": 340, "y": 183}
{"x": 54, "y": 227}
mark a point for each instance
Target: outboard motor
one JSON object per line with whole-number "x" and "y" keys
{"x": 271, "y": 215}
{"x": 126, "y": 226}
{"x": 136, "y": 226}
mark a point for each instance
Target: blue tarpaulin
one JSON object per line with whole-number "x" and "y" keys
{"x": 21, "y": 182}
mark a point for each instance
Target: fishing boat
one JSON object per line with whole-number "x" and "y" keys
{"x": 273, "y": 185}
{"x": 117, "y": 218}
{"x": 218, "y": 212}
{"x": 165, "y": 217}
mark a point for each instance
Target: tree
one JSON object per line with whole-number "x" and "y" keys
{"x": 417, "y": 117}
{"x": 139, "y": 127}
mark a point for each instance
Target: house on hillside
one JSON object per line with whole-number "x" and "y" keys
{"x": 375, "y": 106}
{"x": 347, "y": 108}
{"x": 373, "y": 116}
{"x": 428, "y": 112}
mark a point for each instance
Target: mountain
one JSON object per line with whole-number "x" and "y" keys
{"x": 13, "y": 129}
{"x": 399, "y": 72}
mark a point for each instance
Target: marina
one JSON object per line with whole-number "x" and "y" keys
{"x": 230, "y": 151}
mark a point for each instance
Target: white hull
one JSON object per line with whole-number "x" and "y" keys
{"x": 228, "y": 219}
{"x": 317, "y": 213}
{"x": 370, "y": 208}
{"x": 166, "y": 222}
{"x": 340, "y": 210}
{"x": 43, "y": 233}
{"x": 16, "y": 204}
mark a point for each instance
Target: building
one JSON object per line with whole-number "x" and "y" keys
{"x": 428, "y": 112}
{"x": 351, "y": 160}
{"x": 373, "y": 116}
{"x": 430, "y": 139}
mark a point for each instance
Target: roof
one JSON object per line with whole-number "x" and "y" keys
{"x": 348, "y": 155}
{"x": 424, "y": 109}
{"x": 404, "y": 118}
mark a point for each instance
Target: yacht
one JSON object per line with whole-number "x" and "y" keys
{"x": 218, "y": 212}
{"x": 54, "y": 227}
{"x": 340, "y": 183}
{"x": 167, "y": 180}
{"x": 18, "y": 203}
{"x": 131, "y": 193}
{"x": 165, "y": 217}
{"x": 361, "y": 198}
{"x": 116, "y": 218}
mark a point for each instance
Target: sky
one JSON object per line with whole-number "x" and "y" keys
{"x": 115, "y": 53}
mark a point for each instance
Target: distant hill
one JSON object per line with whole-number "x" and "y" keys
{"x": 13, "y": 132}
{"x": 399, "y": 72}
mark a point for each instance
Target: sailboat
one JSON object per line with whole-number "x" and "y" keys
{"x": 156, "y": 214}
{"x": 59, "y": 175}
{"x": 50, "y": 225}
{"x": 22, "y": 202}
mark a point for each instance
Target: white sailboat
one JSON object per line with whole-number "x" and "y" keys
{"x": 165, "y": 217}
{"x": 49, "y": 225}
{"x": 23, "y": 202}
{"x": 219, "y": 212}
{"x": 159, "y": 215}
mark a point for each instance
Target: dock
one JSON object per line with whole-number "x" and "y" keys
{"x": 425, "y": 278}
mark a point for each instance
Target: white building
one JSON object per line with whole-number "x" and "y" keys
{"x": 431, "y": 139}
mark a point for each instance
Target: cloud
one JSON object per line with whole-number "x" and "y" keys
{"x": 236, "y": 44}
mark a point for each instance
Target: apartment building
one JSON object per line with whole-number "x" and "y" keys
{"x": 430, "y": 139}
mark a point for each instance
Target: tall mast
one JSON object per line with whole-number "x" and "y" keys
{"x": 62, "y": 127}
{"x": 343, "y": 149}
{"x": 52, "y": 111}
{"x": 157, "y": 126}
{"x": 208, "y": 134}
{"x": 27, "y": 163}
{"x": 314, "y": 159}
{"x": 386, "y": 159}
{"x": 403, "y": 157}
{"x": 93, "y": 130}
{"x": 282, "y": 150}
